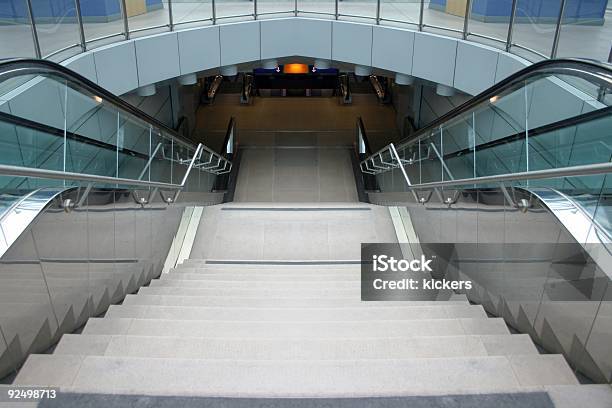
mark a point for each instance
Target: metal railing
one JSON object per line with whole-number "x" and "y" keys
{"x": 180, "y": 150}
{"x": 19, "y": 171}
{"x": 370, "y": 167}
{"x": 378, "y": 16}
{"x": 591, "y": 71}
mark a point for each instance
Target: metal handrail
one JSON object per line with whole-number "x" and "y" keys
{"x": 571, "y": 171}
{"x": 21, "y": 67}
{"x": 18, "y": 171}
{"x": 595, "y": 72}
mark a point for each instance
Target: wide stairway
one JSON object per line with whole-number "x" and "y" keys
{"x": 269, "y": 306}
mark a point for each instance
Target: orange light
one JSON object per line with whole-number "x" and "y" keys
{"x": 97, "y": 99}
{"x": 295, "y": 69}
{"x": 494, "y": 99}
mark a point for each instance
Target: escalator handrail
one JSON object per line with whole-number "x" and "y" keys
{"x": 570, "y": 171}
{"x": 366, "y": 141}
{"x": 594, "y": 71}
{"x": 29, "y": 66}
{"x": 231, "y": 130}
{"x": 18, "y": 171}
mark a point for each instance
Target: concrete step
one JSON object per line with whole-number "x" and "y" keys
{"x": 281, "y": 273}
{"x": 438, "y": 309}
{"x": 240, "y": 378}
{"x": 211, "y": 284}
{"x": 168, "y": 325}
{"x": 262, "y": 287}
{"x": 294, "y": 265}
{"x": 289, "y": 314}
{"x": 305, "y": 293}
{"x": 248, "y": 277}
{"x": 299, "y": 293}
{"x": 294, "y": 349}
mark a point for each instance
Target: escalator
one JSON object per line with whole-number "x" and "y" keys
{"x": 516, "y": 181}
{"x": 85, "y": 180}
{"x": 265, "y": 308}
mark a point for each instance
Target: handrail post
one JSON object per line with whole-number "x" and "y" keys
{"x": 401, "y": 166}
{"x": 214, "y": 11}
{"x": 79, "y": 16}
{"x": 555, "y": 46}
{"x": 191, "y": 163}
{"x": 126, "y": 26}
{"x": 377, "y": 12}
{"x": 511, "y": 25}
{"x": 466, "y": 21}
{"x": 34, "y": 31}
{"x": 170, "y": 16}
{"x": 295, "y": 8}
{"x": 336, "y": 12}
{"x": 255, "y": 9}
{"x": 421, "y": 15}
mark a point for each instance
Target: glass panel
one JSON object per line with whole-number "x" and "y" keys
{"x": 15, "y": 30}
{"x": 448, "y": 14}
{"x": 358, "y": 8}
{"x": 101, "y": 19}
{"x": 275, "y": 6}
{"x": 317, "y": 6}
{"x": 585, "y": 30}
{"x": 57, "y": 27}
{"x": 535, "y": 25}
{"x": 431, "y": 168}
{"x": 491, "y": 18}
{"x": 459, "y": 139}
{"x": 229, "y": 8}
{"x": 145, "y": 14}
{"x": 401, "y": 10}
{"x": 184, "y": 11}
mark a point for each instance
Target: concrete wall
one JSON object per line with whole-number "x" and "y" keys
{"x": 125, "y": 66}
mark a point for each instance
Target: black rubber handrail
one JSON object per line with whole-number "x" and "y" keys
{"x": 593, "y": 71}
{"x": 542, "y": 130}
{"x": 230, "y": 127}
{"x": 366, "y": 141}
{"x": 60, "y": 133}
{"x": 29, "y": 66}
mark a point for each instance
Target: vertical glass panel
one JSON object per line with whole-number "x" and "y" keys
{"x": 603, "y": 213}
{"x": 275, "y": 6}
{"x": 535, "y": 25}
{"x": 132, "y": 147}
{"x": 358, "y": 8}
{"x": 147, "y": 14}
{"x": 459, "y": 139}
{"x": 185, "y": 11}
{"x": 445, "y": 14}
{"x": 431, "y": 169}
{"x": 317, "y": 6}
{"x": 57, "y": 27}
{"x": 586, "y": 30}
{"x": 15, "y": 30}
{"x": 491, "y": 18}
{"x": 401, "y": 10}
{"x": 101, "y": 19}
{"x": 232, "y": 8}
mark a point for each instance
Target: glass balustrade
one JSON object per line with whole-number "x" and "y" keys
{"x": 516, "y": 130}
{"x": 53, "y": 123}
{"x": 533, "y": 29}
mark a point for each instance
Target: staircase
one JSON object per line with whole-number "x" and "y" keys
{"x": 269, "y": 306}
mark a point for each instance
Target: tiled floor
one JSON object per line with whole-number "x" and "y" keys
{"x": 586, "y": 41}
